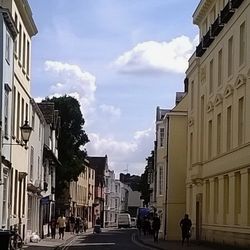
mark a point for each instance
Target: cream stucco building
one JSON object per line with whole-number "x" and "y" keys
{"x": 17, "y": 204}
{"x": 218, "y": 169}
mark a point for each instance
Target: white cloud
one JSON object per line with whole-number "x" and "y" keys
{"x": 123, "y": 153}
{"x": 110, "y": 110}
{"x": 74, "y": 82}
{"x": 153, "y": 56}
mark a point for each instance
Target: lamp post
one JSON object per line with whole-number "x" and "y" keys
{"x": 25, "y": 132}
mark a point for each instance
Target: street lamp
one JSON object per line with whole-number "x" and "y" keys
{"x": 25, "y": 132}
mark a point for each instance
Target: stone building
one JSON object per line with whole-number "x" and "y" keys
{"x": 218, "y": 165}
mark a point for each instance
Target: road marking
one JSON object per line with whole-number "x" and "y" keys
{"x": 93, "y": 244}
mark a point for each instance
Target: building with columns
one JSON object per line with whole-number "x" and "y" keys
{"x": 218, "y": 164}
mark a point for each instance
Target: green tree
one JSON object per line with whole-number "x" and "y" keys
{"x": 72, "y": 138}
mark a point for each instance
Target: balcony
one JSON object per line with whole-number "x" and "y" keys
{"x": 227, "y": 13}
{"x": 207, "y": 39}
{"x": 200, "y": 50}
{"x": 216, "y": 27}
{"x": 236, "y": 3}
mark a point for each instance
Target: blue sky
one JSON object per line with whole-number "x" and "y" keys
{"x": 121, "y": 59}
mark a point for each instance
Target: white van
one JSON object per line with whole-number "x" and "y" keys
{"x": 124, "y": 220}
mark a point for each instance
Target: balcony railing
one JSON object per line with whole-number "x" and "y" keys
{"x": 236, "y": 3}
{"x": 216, "y": 27}
{"x": 227, "y": 13}
{"x": 200, "y": 50}
{"x": 207, "y": 39}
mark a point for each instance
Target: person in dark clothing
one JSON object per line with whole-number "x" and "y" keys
{"x": 72, "y": 223}
{"x": 53, "y": 228}
{"x": 156, "y": 227}
{"x": 185, "y": 225}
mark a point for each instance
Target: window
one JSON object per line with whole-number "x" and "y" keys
{"x": 242, "y": 43}
{"x": 16, "y": 28}
{"x": 216, "y": 198}
{"x": 5, "y": 199}
{"x": 7, "y": 48}
{"x": 18, "y": 116}
{"x": 28, "y": 58}
{"x": 116, "y": 203}
{"x": 160, "y": 180}
{"x": 226, "y": 194}
{"x": 13, "y": 110}
{"x": 192, "y": 95}
{"x": 22, "y": 110}
{"x": 207, "y": 197}
{"x": 20, "y": 42}
{"x": 240, "y": 120}
{"x": 191, "y": 150}
{"x": 26, "y": 112}
{"x": 24, "y": 50}
{"x": 33, "y": 119}
{"x": 220, "y": 68}
{"x": 204, "y": 27}
{"x": 161, "y": 137}
{"x": 15, "y": 194}
{"x": 219, "y": 132}
{"x": 210, "y": 140}
{"x": 31, "y": 163}
{"x": 229, "y": 127}
{"x": 6, "y": 110}
{"x": 230, "y": 56}
{"x": 237, "y": 198}
{"x": 212, "y": 15}
{"x": 211, "y": 76}
{"x": 89, "y": 173}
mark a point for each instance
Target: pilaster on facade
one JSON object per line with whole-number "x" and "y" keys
{"x": 218, "y": 125}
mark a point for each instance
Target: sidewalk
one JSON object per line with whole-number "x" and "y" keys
{"x": 54, "y": 243}
{"x": 176, "y": 245}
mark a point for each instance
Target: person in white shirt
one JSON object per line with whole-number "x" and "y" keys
{"x": 61, "y": 221}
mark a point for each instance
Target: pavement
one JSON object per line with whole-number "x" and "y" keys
{"x": 50, "y": 243}
{"x": 147, "y": 240}
{"x": 118, "y": 239}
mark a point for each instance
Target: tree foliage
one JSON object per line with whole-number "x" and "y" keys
{"x": 71, "y": 140}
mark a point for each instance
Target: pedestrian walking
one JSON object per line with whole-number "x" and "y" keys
{"x": 72, "y": 223}
{"x": 77, "y": 224}
{"x": 53, "y": 227}
{"x": 139, "y": 225}
{"x": 186, "y": 225}
{"x": 156, "y": 227}
{"x": 85, "y": 224}
{"x": 61, "y": 221}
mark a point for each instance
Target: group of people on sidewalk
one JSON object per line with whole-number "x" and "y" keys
{"x": 76, "y": 225}
{"x": 152, "y": 226}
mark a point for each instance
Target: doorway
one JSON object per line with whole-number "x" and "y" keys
{"x": 198, "y": 216}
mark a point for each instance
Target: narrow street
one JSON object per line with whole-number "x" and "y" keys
{"x": 121, "y": 239}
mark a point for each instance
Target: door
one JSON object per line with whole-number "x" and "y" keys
{"x": 198, "y": 216}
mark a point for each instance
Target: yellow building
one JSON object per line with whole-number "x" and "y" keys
{"x": 22, "y": 16}
{"x": 82, "y": 194}
{"x": 218, "y": 171}
{"x": 176, "y": 160}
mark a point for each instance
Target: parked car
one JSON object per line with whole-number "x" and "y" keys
{"x": 124, "y": 220}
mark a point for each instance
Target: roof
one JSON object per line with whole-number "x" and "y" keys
{"x": 47, "y": 109}
{"x": 98, "y": 163}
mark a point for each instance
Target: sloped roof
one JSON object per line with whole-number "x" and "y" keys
{"x": 98, "y": 163}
